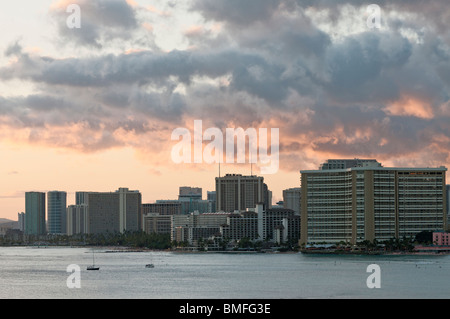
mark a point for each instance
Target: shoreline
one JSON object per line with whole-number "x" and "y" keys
{"x": 126, "y": 249}
{"x": 359, "y": 253}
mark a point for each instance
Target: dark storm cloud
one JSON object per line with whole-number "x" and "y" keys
{"x": 236, "y": 11}
{"x": 141, "y": 67}
{"x": 364, "y": 67}
{"x": 250, "y": 72}
{"x": 359, "y": 131}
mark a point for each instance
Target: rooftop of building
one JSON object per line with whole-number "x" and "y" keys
{"x": 240, "y": 176}
{"x": 401, "y": 169}
{"x": 212, "y": 214}
{"x": 348, "y": 163}
{"x": 279, "y": 209}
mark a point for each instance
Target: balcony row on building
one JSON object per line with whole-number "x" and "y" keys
{"x": 360, "y": 200}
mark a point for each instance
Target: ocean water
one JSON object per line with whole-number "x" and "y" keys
{"x": 36, "y": 273}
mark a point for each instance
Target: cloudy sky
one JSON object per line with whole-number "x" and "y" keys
{"x": 93, "y": 108}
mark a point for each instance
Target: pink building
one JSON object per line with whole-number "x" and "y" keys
{"x": 441, "y": 238}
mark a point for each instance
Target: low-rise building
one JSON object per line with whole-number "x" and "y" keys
{"x": 158, "y": 224}
{"x": 191, "y": 227}
{"x": 441, "y": 238}
{"x": 241, "y": 225}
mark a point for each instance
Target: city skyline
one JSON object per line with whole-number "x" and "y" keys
{"x": 385, "y": 202}
{"x": 93, "y": 108}
{"x": 189, "y": 193}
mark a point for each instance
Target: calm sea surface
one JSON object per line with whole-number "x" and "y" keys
{"x": 35, "y": 273}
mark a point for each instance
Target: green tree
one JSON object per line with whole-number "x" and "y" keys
{"x": 424, "y": 237}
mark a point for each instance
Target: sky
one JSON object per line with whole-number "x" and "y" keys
{"x": 93, "y": 108}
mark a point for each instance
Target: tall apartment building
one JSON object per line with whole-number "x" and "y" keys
{"x": 35, "y": 213}
{"x": 292, "y": 199}
{"x": 211, "y": 196}
{"x": 56, "y": 212}
{"x": 114, "y": 212}
{"x": 77, "y": 220}
{"x": 235, "y": 192}
{"x": 371, "y": 202}
{"x": 21, "y": 221}
{"x": 81, "y": 198}
{"x": 78, "y": 215}
{"x": 190, "y": 193}
{"x": 267, "y": 197}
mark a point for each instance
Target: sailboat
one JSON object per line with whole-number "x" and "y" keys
{"x": 93, "y": 267}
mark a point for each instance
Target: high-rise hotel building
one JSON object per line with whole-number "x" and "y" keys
{"x": 77, "y": 219}
{"x": 77, "y": 215}
{"x": 235, "y": 192}
{"x": 368, "y": 201}
{"x": 113, "y": 212}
